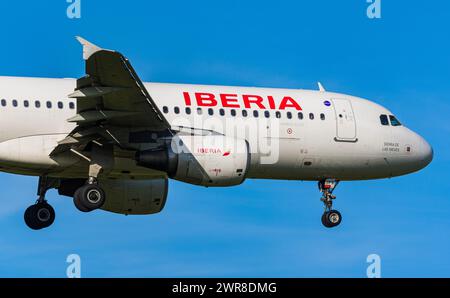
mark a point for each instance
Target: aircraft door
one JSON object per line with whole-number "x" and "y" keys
{"x": 345, "y": 121}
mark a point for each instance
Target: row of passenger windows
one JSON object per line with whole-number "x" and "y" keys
{"x": 37, "y": 104}
{"x": 245, "y": 113}
{"x": 384, "y": 119}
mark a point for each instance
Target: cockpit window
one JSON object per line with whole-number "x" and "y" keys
{"x": 394, "y": 121}
{"x": 384, "y": 120}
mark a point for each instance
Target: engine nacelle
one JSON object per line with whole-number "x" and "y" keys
{"x": 212, "y": 160}
{"x": 126, "y": 196}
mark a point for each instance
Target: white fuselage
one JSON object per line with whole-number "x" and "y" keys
{"x": 339, "y": 136}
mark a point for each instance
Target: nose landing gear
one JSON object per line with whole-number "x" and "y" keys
{"x": 330, "y": 218}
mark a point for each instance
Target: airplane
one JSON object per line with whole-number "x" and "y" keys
{"x": 111, "y": 142}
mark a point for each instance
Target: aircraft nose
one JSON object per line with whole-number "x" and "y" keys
{"x": 425, "y": 152}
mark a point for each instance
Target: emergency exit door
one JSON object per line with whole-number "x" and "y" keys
{"x": 345, "y": 120}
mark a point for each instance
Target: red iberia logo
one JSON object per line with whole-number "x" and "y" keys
{"x": 247, "y": 101}
{"x": 206, "y": 150}
{"x": 216, "y": 151}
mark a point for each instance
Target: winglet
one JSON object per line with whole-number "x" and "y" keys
{"x": 321, "y": 89}
{"x": 88, "y": 48}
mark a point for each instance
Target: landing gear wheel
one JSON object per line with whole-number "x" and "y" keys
{"x": 39, "y": 216}
{"x": 334, "y": 217}
{"x": 325, "y": 220}
{"x": 331, "y": 218}
{"x": 89, "y": 197}
{"x": 77, "y": 202}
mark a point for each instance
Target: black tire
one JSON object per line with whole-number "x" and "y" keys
{"x": 325, "y": 221}
{"x": 29, "y": 217}
{"x": 91, "y": 196}
{"x": 39, "y": 216}
{"x": 334, "y": 218}
{"x": 77, "y": 202}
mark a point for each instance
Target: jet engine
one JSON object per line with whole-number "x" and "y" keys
{"x": 212, "y": 160}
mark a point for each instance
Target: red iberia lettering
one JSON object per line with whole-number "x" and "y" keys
{"x": 247, "y": 101}
{"x": 209, "y": 150}
{"x": 229, "y": 100}
{"x": 205, "y": 99}
{"x": 271, "y": 102}
{"x": 187, "y": 98}
{"x": 289, "y": 102}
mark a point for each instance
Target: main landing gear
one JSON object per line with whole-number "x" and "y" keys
{"x": 330, "y": 218}
{"x": 86, "y": 198}
{"x": 89, "y": 196}
{"x": 41, "y": 215}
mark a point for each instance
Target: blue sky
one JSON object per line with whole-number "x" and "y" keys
{"x": 261, "y": 228}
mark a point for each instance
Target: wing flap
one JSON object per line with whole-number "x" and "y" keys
{"x": 110, "y": 95}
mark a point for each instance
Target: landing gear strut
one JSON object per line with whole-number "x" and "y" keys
{"x": 330, "y": 218}
{"x": 41, "y": 215}
{"x": 91, "y": 196}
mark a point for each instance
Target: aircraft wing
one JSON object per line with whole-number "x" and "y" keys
{"x": 110, "y": 95}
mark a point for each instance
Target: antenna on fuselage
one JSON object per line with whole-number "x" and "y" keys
{"x": 321, "y": 89}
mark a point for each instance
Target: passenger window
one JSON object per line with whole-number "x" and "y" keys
{"x": 233, "y": 112}
{"x": 278, "y": 114}
{"x": 49, "y": 104}
{"x": 244, "y": 113}
{"x": 176, "y": 110}
{"x": 222, "y": 112}
{"x": 255, "y": 114}
{"x": 311, "y": 116}
{"x": 71, "y": 105}
{"x": 289, "y": 115}
{"x": 37, "y": 104}
{"x": 26, "y": 103}
{"x": 210, "y": 111}
{"x": 300, "y": 115}
{"x": 322, "y": 116}
{"x": 188, "y": 110}
{"x": 165, "y": 110}
{"x": 394, "y": 121}
{"x": 384, "y": 120}
{"x": 266, "y": 114}
{"x": 14, "y": 103}
{"x": 4, "y": 102}
{"x": 60, "y": 105}
{"x": 199, "y": 111}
